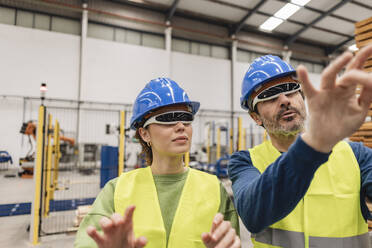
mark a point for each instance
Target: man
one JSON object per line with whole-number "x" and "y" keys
{"x": 305, "y": 187}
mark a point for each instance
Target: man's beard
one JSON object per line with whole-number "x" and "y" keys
{"x": 274, "y": 127}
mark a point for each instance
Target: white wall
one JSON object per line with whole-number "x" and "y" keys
{"x": 112, "y": 72}
{"x": 30, "y": 57}
{"x": 206, "y": 80}
{"x": 116, "y": 72}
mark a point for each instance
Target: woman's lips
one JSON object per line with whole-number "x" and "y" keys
{"x": 181, "y": 138}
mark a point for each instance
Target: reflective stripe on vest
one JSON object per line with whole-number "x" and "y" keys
{"x": 362, "y": 241}
{"x": 329, "y": 211}
{"x": 281, "y": 238}
{"x": 198, "y": 204}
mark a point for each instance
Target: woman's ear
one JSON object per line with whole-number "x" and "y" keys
{"x": 256, "y": 118}
{"x": 144, "y": 133}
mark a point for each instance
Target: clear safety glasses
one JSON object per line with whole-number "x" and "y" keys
{"x": 275, "y": 91}
{"x": 169, "y": 118}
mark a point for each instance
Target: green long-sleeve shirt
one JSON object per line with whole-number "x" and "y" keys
{"x": 169, "y": 189}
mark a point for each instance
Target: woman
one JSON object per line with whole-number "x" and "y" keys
{"x": 175, "y": 206}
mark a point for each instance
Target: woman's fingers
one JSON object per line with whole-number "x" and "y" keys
{"x": 206, "y": 238}
{"x": 117, "y": 219}
{"x": 128, "y": 214}
{"x": 220, "y": 231}
{"x": 236, "y": 243}
{"x": 107, "y": 225}
{"x": 92, "y": 232}
{"x": 140, "y": 242}
{"x": 228, "y": 239}
{"x": 217, "y": 220}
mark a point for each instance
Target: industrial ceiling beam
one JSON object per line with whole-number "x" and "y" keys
{"x": 223, "y": 23}
{"x": 293, "y": 37}
{"x": 322, "y": 12}
{"x": 288, "y": 20}
{"x": 362, "y": 5}
{"x": 241, "y": 23}
{"x": 172, "y": 10}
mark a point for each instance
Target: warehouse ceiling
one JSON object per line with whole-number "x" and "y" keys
{"x": 325, "y": 24}
{"x": 328, "y": 24}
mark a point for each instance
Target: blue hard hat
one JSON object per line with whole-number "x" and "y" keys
{"x": 260, "y": 71}
{"x": 159, "y": 92}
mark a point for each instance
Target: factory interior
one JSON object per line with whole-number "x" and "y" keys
{"x": 72, "y": 70}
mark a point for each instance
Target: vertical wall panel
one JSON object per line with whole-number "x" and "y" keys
{"x": 120, "y": 35}
{"x": 65, "y": 25}
{"x": 181, "y": 45}
{"x": 151, "y": 40}
{"x": 100, "y": 31}
{"x": 7, "y": 15}
{"x": 42, "y": 21}
{"x": 205, "y": 50}
{"x": 133, "y": 37}
{"x": 25, "y": 19}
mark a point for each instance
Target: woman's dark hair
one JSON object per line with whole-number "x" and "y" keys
{"x": 146, "y": 150}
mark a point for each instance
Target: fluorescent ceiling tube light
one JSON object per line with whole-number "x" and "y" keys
{"x": 353, "y": 48}
{"x": 271, "y": 23}
{"x": 286, "y": 11}
{"x": 300, "y": 2}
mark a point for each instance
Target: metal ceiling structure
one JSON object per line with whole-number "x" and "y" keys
{"x": 238, "y": 26}
{"x": 172, "y": 10}
{"x": 327, "y": 24}
{"x": 324, "y": 24}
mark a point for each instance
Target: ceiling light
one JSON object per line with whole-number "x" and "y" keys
{"x": 271, "y": 23}
{"x": 300, "y": 2}
{"x": 353, "y": 48}
{"x": 286, "y": 11}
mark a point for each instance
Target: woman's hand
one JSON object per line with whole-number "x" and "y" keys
{"x": 117, "y": 232}
{"x": 222, "y": 235}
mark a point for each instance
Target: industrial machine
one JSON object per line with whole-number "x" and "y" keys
{"x": 27, "y": 162}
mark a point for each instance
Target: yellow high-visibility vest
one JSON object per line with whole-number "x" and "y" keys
{"x": 329, "y": 215}
{"x": 198, "y": 204}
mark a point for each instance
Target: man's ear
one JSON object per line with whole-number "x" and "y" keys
{"x": 256, "y": 118}
{"x": 144, "y": 133}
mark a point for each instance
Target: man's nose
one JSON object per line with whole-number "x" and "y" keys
{"x": 284, "y": 100}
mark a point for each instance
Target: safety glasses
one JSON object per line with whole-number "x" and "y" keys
{"x": 169, "y": 118}
{"x": 275, "y": 91}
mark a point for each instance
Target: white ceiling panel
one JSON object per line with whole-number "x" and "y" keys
{"x": 322, "y": 5}
{"x": 243, "y": 3}
{"x": 256, "y": 20}
{"x": 336, "y": 24}
{"x": 304, "y": 15}
{"x": 270, "y": 7}
{"x": 354, "y": 12}
{"x": 365, "y": 2}
{"x": 321, "y": 36}
{"x": 288, "y": 28}
{"x": 212, "y": 9}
